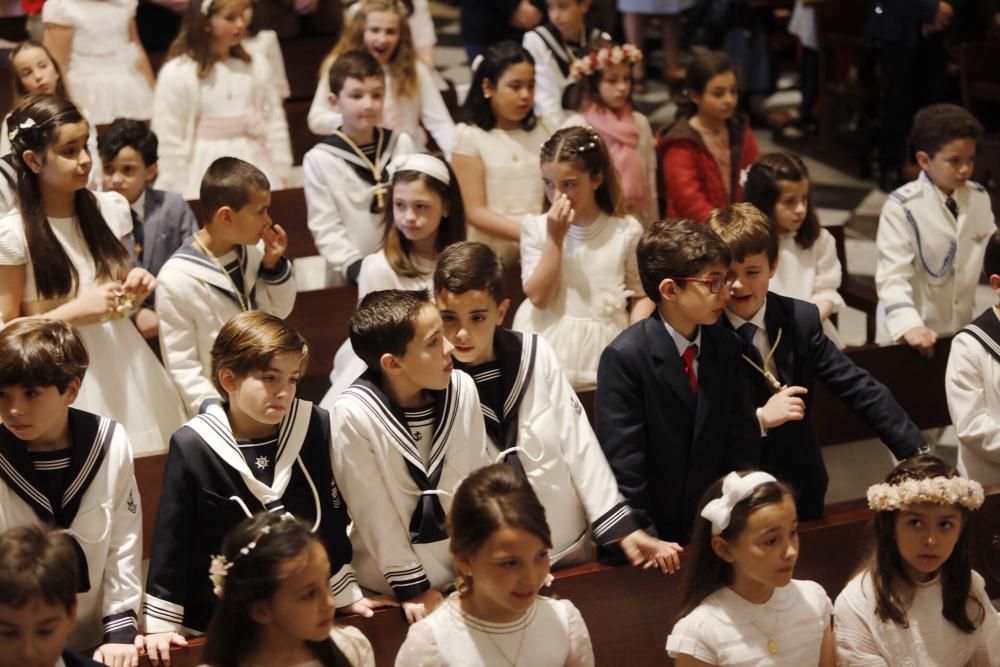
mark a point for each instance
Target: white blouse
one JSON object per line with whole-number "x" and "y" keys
{"x": 863, "y": 639}
{"x": 726, "y": 629}
{"x": 811, "y": 274}
{"x": 550, "y": 634}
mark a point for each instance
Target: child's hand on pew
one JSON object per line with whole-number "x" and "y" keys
{"x": 642, "y": 549}
{"x": 419, "y": 607}
{"x": 785, "y": 406}
{"x": 922, "y": 340}
{"x": 366, "y": 607}
{"x": 275, "y": 244}
{"x": 157, "y": 646}
{"x": 117, "y": 655}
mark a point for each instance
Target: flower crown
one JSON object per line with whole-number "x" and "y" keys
{"x": 220, "y": 566}
{"x": 940, "y": 490}
{"x": 599, "y": 59}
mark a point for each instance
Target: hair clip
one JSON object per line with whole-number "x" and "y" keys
{"x": 735, "y": 488}
{"x": 476, "y": 62}
{"x": 587, "y": 147}
{"x": 206, "y": 6}
{"x": 25, "y": 124}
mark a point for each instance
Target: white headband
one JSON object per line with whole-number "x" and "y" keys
{"x": 422, "y": 162}
{"x": 734, "y": 489}
{"x": 206, "y": 6}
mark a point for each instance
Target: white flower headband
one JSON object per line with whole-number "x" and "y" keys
{"x": 939, "y": 490}
{"x": 602, "y": 57}
{"x": 25, "y": 124}
{"x": 734, "y": 489}
{"x": 220, "y": 566}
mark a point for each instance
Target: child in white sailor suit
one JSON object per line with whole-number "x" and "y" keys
{"x": 555, "y": 45}
{"x": 206, "y": 106}
{"x": 262, "y": 450}
{"x": 71, "y": 469}
{"x": 346, "y": 176}
{"x": 234, "y": 264}
{"x": 533, "y": 418}
{"x": 932, "y": 234}
{"x": 972, "y": 384}
{"x": 407, "y": 432}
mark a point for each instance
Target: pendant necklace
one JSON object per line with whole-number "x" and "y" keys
{"x": 380, "y": 186}
{"x": 520, "y": 645}
{"x": 240, "y": 297}
{"x": 768, "y": 376}
{"x": 772, "y": 644}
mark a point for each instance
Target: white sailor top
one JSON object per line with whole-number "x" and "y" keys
{"x": 194, "y": 299}
{"x": 972, "y": 386}
{"x": 342, "y": 197}
{"x": 101, "y": 510}
{"x": 208, "y": 488}
{"x": 928, "y": 262}
{"x": 398, "y": 500}
{"x": 553, "y": 58}
{"x": 538, "y": 426}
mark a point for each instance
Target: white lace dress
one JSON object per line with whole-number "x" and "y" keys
{"x": 124, "y": 381}
{"x": 104, "y": 76}
{"x": 598, "y": 274}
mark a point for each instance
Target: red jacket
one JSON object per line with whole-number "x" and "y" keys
{"x": 693, "y": 183}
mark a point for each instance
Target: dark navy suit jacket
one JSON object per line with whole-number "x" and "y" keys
{"x": 664, "y": 444}
{"x": 803, "y": 356}
{"x": 168, "y": 223}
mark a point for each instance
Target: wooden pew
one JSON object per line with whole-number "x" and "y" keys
{"x": 916, "y": 383}
{"x": 322, "y": 317}
{"x": 629, "y": 611}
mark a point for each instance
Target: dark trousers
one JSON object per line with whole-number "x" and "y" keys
{"x": 809, "y": 83}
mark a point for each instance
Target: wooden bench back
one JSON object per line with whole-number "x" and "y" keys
{"x": 629, "y": 611}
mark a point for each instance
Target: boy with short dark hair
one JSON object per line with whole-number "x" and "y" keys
{"x": 972, "y": 383}
{"x": 529, "y": 407}
{"x": 932, "y": 234}
{"x": 71, "y": 469}
{"x": 161, "y": 221}
{"x": 670, "y": 417}
{"x": 406, "y": 433}
{"x": 39, "y": 575}
{"x": 345, "y": 176}
{"x": 234, "y": 264}
{"x": 784, "y": 352}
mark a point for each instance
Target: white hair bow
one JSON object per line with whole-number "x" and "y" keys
{"x": 734, "y": 489}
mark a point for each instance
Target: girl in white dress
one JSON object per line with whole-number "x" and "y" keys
{"x": 213, "y": 100}
{"x": 61, "y": 255}
{"x": 412, "y": 99}
{"x": 276, "y": 607}
{"x": 918, "y": 601}
{"x": 496, "y": 148}
{"x": 603, "y": 95}
{"x": 741, "y": 606}
{"x": 500, "y": 543}
{"x": 578, "y": 262}
{"x": 808, "y": 268}
{"x": 97, "y": 45}
{"x": 36, "y": 71}
{"x": 423, "y": 217}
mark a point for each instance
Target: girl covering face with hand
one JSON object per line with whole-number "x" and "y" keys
{"x": 919, "y": 601}
{"x": 578, "y": 262}
{"x": 500, "y": 543}
{"x": 741, "y": 606}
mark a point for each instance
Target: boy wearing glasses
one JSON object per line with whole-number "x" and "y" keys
{"x": 671, "y": 413}
{"x": 784, "y": 352}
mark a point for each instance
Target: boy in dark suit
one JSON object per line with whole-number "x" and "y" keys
{"x": 670, "y": 418}
{"x": 161, "y": 221}
{"x": 784, "y": 337}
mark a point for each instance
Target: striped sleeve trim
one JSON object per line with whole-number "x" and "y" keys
{"x": 281, "y": 273}
{"x": 120, "y": 628}
{"x": 162, "y": 616}
{"x": 897, "y": 306}
{"x": 615, "y": 524}
{"x": 408, "y": 583}
{"x": 345, "y": 588}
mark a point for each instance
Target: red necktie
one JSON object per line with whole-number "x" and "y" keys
{"x": 689, "y": 354}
